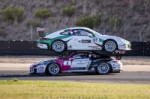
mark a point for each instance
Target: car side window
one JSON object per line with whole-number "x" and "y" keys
{"x": 64, "y": 33}
{"x": 81, "y": 32}
{"x": 67, "y": 32}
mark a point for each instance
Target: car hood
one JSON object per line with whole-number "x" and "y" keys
{"x": 125, "y": 41}
{"x": 111, "y": 37}
{"x": 117, "y": 39}
{"x": 42, "y": 62}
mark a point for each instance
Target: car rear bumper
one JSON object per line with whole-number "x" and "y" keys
{"x": 42, "y": 46}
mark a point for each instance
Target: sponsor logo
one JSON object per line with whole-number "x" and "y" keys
{"x": 85, "y": 41}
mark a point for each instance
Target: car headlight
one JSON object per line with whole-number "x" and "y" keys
{"x": 36, "y": 64}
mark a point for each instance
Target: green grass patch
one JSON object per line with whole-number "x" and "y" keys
{"x": 13, "y": 13}
{"x": 14, "y": 89}
{"x": 43, "y": 13}
{"x": 89, "y": 21}
{"x": 68, "y": 11}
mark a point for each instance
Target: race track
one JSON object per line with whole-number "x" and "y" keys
{"x": 130, "y": 74}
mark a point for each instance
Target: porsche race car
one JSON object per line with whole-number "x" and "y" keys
{"x": 82, "y": 38}
{"x": 78, "y": 62}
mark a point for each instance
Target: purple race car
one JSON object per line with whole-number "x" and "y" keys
{"x": 78, "y": 62}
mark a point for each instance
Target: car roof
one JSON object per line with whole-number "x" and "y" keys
{"x": 70, "y": 28}
{"x": 86, "y": 52}
{"x": 78, "y": 28}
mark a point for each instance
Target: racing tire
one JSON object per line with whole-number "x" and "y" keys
{"x": 58, "y": 46}
{"x": 53, "y": 69}
{"x": 110, "y": 46}
{"x": 103, "y": 68}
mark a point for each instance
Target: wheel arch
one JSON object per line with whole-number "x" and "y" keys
{"x": 46, "y": 69}
{"x": 104, "y": 61}
{"x": 109, "y": 40}
{"x": 58, "y": 40}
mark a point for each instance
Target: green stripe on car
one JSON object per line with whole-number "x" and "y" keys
{"x": 101, "y": 40}
{"x": 49, "y": 41}
{"x": 62, "y": 37}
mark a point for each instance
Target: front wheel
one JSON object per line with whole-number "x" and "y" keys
{"x": 53, "y": 69}
{"x": 103, "y": 68}
{"x": 110, "y": 46}
{"x": 58, "y": 46}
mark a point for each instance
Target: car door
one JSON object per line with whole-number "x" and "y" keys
{"x": 80, "y": 62}
{"x": 83, "y": 40}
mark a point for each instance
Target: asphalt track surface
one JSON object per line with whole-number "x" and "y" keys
{"x": 130, "y": 74}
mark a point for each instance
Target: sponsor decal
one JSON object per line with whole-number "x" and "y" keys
{"x": 85, "y": 41}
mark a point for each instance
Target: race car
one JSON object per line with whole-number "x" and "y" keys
{"x": 78, "y": 62}
{"x": 81, "y": 38}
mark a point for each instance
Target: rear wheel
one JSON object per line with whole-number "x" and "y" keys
{"x": 103, "y": 68}
{"x": 53, "y": 69}
{"x": 110, "y": 46}
{"x": 58, "y": 46}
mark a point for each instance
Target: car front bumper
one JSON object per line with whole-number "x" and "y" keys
{"x": 116, "y": 66}
{"x": 125, "y": 47}
{"x": 116, "y": 69}
{"x": 37, "y": 70}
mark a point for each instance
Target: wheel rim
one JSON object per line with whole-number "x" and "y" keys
{"x": 110, "y": 46}
{"x": 103, "y": 68}
{"x": 54, "y": 69}
{"x": 58, "y": 46}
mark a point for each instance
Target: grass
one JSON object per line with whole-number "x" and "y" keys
{"x": 42, "y": 13}
{"x": 89, "y": 21}
{"x": 13, "y": 13}
{"x": 14, "y": 89}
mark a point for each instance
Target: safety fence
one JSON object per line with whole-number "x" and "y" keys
{"x": 30, "y": 48}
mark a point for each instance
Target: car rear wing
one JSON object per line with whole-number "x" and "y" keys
{"x": 40, "y": 32}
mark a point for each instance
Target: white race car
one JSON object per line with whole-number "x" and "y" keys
{"x": 82, "y": 38}
{"x": 78, "y": 62}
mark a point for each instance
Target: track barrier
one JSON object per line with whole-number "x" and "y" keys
{"x": 30, "y": 48}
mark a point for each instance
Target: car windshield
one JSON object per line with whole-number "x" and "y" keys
{"x": 81, "y": 55}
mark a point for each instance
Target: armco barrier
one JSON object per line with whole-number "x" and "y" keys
{"x": 22, "y": 48}
{"x": 30, "y": 48}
